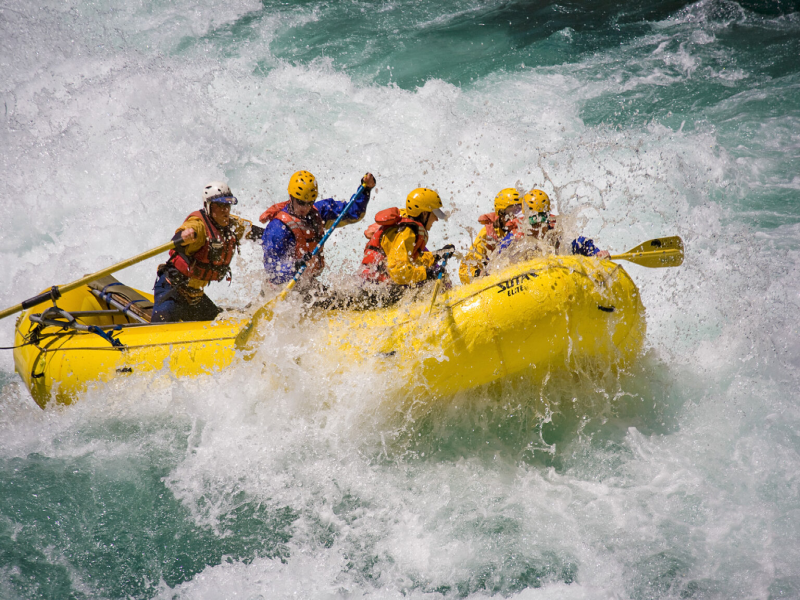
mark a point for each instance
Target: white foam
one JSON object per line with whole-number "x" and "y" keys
{"x": 108, "y": 149}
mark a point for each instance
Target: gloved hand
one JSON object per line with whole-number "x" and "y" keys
{"x": 445, "y": 253}
{"x": 304, "y": 261}
{"x": 432, "y": 273}
{"x": 368, "y": 181}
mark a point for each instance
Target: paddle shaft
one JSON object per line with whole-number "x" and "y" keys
{"x": 57, "y": 291}
{"x": 438, "y": 285}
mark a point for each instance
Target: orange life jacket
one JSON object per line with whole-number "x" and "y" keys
{"x": 307, "y": 233}
{"x": 374, "y": 260}
{"x": 490, "y": 221}
{"x": 211, "y": 262}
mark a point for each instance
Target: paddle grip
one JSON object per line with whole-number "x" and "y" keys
{"x": 52, "y": 294}
{"x": 255, "y": 233}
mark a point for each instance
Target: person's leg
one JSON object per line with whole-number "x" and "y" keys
{"x": 165, "y": 302}
{"x": 205, "y": 310}
{"x": 394, "y": 295}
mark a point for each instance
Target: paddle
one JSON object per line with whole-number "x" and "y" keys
{"x": 57, "y": 291}
{"x": 438, "y": 285}
{"x": 657, "y": 253}
{"x": 246, "y": 333}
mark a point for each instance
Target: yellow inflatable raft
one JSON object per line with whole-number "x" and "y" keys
{"x": 529, "y": 319}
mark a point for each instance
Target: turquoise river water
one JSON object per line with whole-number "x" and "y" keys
{"x": 679, "y": 478}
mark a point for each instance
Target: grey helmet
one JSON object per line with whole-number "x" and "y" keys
{"x": 217, "y": 191}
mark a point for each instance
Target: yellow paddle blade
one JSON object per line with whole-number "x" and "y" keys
{"x": 242, "y": 340}
{"x": 657, "y": 253}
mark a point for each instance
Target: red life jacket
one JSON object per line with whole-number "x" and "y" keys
{"x": 490, "y": 221}
{"x": 374, "y": 260}
{"x": 211, "y": 262}
{"x": 370, "y": 231}
{"x": 307, "y": 233}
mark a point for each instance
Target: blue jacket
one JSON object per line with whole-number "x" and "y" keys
{"x": 279, "y": 243}
{"x": 583, "y": 246}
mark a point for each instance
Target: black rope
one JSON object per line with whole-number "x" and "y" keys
{"x": 15, "y": 347}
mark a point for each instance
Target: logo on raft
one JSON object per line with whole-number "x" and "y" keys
{"x": 514, "y": 285}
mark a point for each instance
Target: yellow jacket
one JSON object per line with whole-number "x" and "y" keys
{"x": 199, "y": 241}
{"x": 475, "y": 261}
{"x": 398, "y": 244}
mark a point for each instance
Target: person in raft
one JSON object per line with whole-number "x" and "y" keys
{"x": 205, "y": 245}
{"x": 396, "y": 253}
{"x": 496, "y": 225}
{"x": 542, "y": 225}
{"x": 295, "y": 227}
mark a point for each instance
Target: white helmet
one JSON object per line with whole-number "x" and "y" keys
{"x": 217, "y": 191}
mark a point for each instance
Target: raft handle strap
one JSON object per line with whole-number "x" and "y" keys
{"x": 107, "y": 336}
{"x": 128, "y": 305}
{"x": 111, "y": 301}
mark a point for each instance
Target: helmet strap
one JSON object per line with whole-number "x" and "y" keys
{"x": 423, "y": 221}
{"x": 540, "y": 217}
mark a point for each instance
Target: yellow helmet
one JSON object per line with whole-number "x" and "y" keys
{"x": 303, "y": 187}
{"x": 505, "y": 198}
{"x": 537, "y": 201}
{"x": 423, "y": 200}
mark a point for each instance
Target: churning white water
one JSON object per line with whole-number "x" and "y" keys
{"x": 294, "y": 475}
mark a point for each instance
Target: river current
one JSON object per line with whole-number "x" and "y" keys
{"x": 679, "y": 478}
